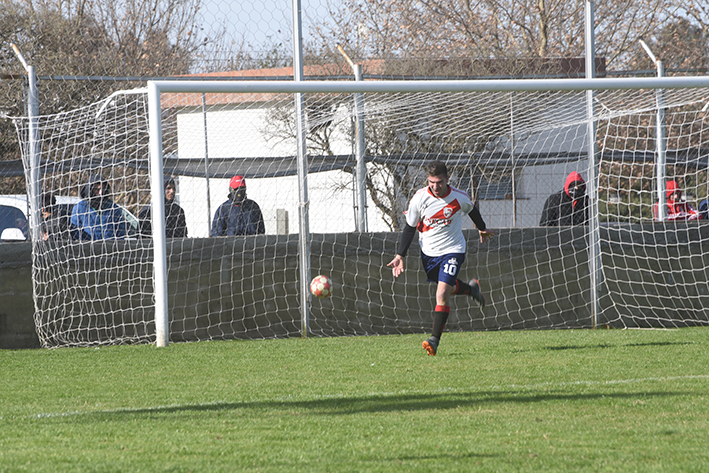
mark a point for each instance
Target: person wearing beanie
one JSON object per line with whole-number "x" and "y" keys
{"x": 238, "y": 215}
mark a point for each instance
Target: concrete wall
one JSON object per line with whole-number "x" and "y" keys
{"x": 246, "y": 287}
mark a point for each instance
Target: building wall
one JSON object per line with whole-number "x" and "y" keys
{"x": 243, "y": 130}
{"x": 240, "y": 132}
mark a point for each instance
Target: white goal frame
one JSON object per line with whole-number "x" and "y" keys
{"x": 156, "y": 88}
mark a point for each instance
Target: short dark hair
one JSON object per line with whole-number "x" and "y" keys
{"x": 436, "y": 168}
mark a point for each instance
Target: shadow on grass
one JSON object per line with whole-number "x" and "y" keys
{"x": 338, "y": 406}
{"x": 445, "y": 456}
{"x": 606, "y": 345}
{"x": 610, "y": 345}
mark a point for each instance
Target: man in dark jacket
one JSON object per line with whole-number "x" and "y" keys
{"x": 175, "y": 223}
{"x": 567, "y": 207}
{"x": 238, "y": 215}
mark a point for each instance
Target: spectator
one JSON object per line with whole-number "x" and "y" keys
{"x": 97, "y": 217}
{"x": 704, "y": 209}
{"x": 238, "y": 215}
{"x": 676, "y": 209}
{"x": 568, "y": 206}
{"x": 55, "y": 221}
{"x": 436, "y": 213}
{"x": 175, "y": 223}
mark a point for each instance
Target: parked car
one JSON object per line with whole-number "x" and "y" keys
{"x": 14, "y": 216}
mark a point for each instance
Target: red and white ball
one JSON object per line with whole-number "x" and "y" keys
{"x": 321, "y": 286}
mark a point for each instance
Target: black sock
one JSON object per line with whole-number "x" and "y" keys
{"x": 462, "y": 288}
{"x": 440, "y": 316}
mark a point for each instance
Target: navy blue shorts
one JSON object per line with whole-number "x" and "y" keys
{"x": 443, "y": 268}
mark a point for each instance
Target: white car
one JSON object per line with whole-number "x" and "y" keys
{"x": 13, "y": 218}
{"x": 14, "y": 221}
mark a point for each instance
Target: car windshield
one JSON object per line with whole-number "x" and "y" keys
{"x": 12, "y": 217}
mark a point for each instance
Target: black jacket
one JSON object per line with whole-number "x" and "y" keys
{"x": 561, "y": 210}
{"x": 175, "y": 223}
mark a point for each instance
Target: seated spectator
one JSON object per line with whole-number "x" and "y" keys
{"x": 676, "y": 208}
{"x": 97, "y": 217}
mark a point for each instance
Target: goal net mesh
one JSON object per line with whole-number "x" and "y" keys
{"x": 509, "y": 150}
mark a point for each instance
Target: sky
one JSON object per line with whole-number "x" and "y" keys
{"x": 263, "y": 21}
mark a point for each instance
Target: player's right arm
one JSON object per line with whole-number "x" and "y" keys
{"x": 407, "y": 235}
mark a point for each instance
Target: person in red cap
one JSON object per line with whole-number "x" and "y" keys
{"x": 676, "y": 209}
{"x": 567, "y": 207}
{"x": 238, "y": 215}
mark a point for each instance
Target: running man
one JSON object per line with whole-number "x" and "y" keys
{"x": 436, "y": 211}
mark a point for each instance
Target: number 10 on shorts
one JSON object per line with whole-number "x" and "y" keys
{"x": 451, "y": 267}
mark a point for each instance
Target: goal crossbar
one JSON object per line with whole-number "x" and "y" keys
{"x": 392, "y": 86}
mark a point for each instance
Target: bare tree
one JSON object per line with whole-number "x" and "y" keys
{"x": 499, "y": 28}
{"x": 464, "y": 38}
{"x": 90, "y": 38}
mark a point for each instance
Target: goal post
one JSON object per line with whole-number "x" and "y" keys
{"x": 162, "y": 331}
{"x": 510, "y": 144}
{"x": 360, "y": 87}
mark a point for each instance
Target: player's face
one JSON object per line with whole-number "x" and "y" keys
{"x": 438, "y": 185}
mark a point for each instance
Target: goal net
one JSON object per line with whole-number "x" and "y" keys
{"x": 629, "y": 265}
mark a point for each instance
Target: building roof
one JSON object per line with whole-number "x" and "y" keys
{"x": 330, "y": 71}
{"x": 378, "y": 69}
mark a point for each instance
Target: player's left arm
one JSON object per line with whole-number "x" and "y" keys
{"x": 407, "y": 237}
{"x": 477, "y": 219}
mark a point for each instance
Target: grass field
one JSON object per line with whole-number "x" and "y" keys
{"x": 569, "y": 400}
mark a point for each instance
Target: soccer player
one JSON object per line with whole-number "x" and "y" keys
{"x": 436, "y": 211}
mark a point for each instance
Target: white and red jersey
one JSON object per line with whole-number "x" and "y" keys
{"x": 439, "y": 220}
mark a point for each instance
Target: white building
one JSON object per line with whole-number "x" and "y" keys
{"x": 238, "y": 126}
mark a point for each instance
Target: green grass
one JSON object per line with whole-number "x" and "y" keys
{"x": 571, "y": 400}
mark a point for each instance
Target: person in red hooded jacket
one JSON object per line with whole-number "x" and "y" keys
{"x": 676, "y": 209}
{"x": 567, "y": 207}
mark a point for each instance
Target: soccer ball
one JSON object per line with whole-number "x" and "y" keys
{"x": 321, "y": 286}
